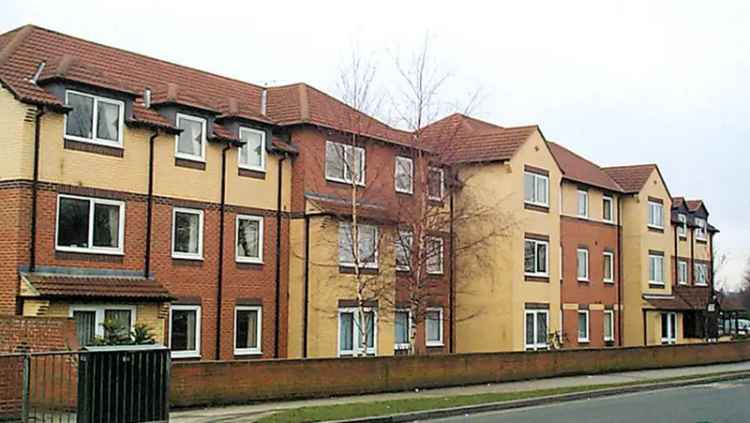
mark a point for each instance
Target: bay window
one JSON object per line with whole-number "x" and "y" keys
{"x": 94, "y": 119}
{"x": 90, "y": 225}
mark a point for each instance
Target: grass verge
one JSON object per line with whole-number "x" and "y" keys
{"x": 398, "y": 406}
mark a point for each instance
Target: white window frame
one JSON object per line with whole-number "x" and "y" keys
{"x": 584, "y": 339}
{"x": 398, "y": 159}
{"x": 351, "y": 149}
{"x": 608, "y": 203}
{"x": 196, "y": 353}
{"x": 442, "y": 183}
{"x": 682, "y": 225}
{"x": 95, "y": 123}
{"x": 671, "y": 335}
{"x": 439, "y": 342}
{"x": 682, "y": 272}
{"x": 650, "y": 264}
{"x": 405, "y": 346}
{"x": 546, "y": 265}
{"x": 243, "y": 259}
{"x": 535, "y": 201}
{"x": 700, "y": 229}
{"x": 700, "y": 271}
{"x": 402, "y": 235}
{"x": 611, "y": 314}
{"x": 188, "y": 256}
{"x": 262, "y": 166}
{"x": 374, "y": 264}
{"x": 259, "y": 331}
{"x": 536, "y": 346}
{"x": 611, "y": 256}
{"x": 653, "y": 205}
{"x": 356, "y": 342}
{"x": 585, "y": 277}
{"x": 582, "y": 195}
{"x": 439, "y": 271}
{"x": 90, "y": 240}
{"x": 100, "y": 310}
{"x": 202, "y": 121}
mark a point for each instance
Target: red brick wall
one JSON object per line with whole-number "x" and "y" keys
{"x": 204, "y": 383}
{"x": 15, "y": 201}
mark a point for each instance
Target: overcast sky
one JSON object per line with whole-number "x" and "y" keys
{"x": 619, "y": 82}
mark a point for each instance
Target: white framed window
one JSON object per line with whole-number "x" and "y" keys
{"x": 248, "y": 324}
{"x": 701, "y": 274}
{"x": 434, "y": 255}
{"x": 187, "y": 233}
{"x": 435, "y": 183}
{"x": 656, "y": 269}
{"x": 185, "y": 331}
{"x": 90, "y": 225}
{"x": 682, "y": 225}
{"x": 89, "y": 320}
{"x": 402, "y": 328}
{"x": 583, "y": 203}
{"x": 94, "y": 119}
{"x": 655, "y": 215}
{"x": 668, "y": 328}
{"x": 404, "y": 175}
{"x": 367, "y": 250}
{"x": 700, "y": 229}
{"x": 682, "y": 272}
{"x": 536, "y": 260}
{"x": 345, "y": 163}
{"x": 608, "y": 261}
{"x": 609, "y": 325}
{"x": 582, "y": 260}
{"x": 350, "y": 332}
{"x": 434, "y": 327}
{"x": 535, "y": 330}
{"x": 536, "y": 189}
{"x": 583, "y": 326}
{"x": 252, "y": 155}
{"x": 403, "y": 247}
{"x": 191, "y": 142}
{"x": 608, "y": 207}
{"x": 249, "y": 239}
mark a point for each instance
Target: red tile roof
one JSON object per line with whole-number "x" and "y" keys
{"x": 75, "y": 286}
{"x": 694, "y": 205}
{"x": 341, "y": 207}
{"x": 630, "y": 178}
{"x": 461, "y": 139}
{"x": 578, "y": 169}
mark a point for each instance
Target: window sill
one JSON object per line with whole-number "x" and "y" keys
{"x": 583, "y": 281}
{"x": 434, "y": 344}
{"x": 247, "y": 353}
{"x": 349, "y": 270}
{"x": 185, "y": 355}
{"x": 190, "y": 258}
{"x": 92, "y": 252}
{"x": 612, "y": 282}
{"x": 656, "y": 285}
{"x": 401, "y": 347}
{"x": 94, "y": 141}
{"x": 241, "y": 260}
{"x": 701, "y": 241}
{"x": 536, "y": 278}
{"x": 436, "y": 274}
{"x": 190, "y": 163}
{"x": 656, "y": 229}
{"x": 336, "y": 181}
{"x": 94, "y": 147}
{"x": 584, "y": 341}
{"x": 251, "y": 173}
{"x": 536, "y": 207}
{"x": 405, "y": 192}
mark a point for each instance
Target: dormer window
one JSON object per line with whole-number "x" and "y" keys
{"x": 682, "y": 225}
{"x": 94, "y": 119}
{"x": 191, "y": 142}
{"x": 253, "y": 153}
{"x": 700, "y": 229}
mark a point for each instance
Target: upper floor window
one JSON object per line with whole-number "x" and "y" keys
{"x": 682, "y": 272}
{"x": 700, "y": 229}
{"x": 655, "y": 214}
{"x": 701, "y": 274}
{"x": 403, "y": 250}
{"x": 656, "y": 269}
{"x": 536, "y": 189}
{"x": 535, "y": 257}
{"x": 582, "y": 259}
{"x": 583, "y": 203}
{"x": 253, "y": 152}
{"x": 682, "y": 225}
{"x": 90, "y": 225}
{"x": 191, "y": 142}
{"x": 367, "y": 251}
{"x": 345, "y": 163}
{"x": 434, "y": 255}
{"x": 404, "y": 175}
{"x": 94, "y": 119}
{"x": 187, "y": 233}
{"x": 435, "y": 183}
{"x": 249, "y": 239}
{"x": 608, "y": 209}
{"x": 609, "y": 266}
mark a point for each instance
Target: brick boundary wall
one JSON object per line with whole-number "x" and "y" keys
{"x": 233, "y": 382}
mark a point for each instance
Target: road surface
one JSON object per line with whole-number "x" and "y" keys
{"x": 716, "y": 402}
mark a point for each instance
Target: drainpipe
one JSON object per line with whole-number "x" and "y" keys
{"x": 35, "y": 180}
{"x": 676, "y": 259}
{"x": 306, "y": 286}
{"x": 220, "y": 276}
{"x": 691, "y": 271}
{"x": 149, "y": 204}
{"x": 619, "y": 271}
{"x": 645, "y": 329}
{"x": 451, "y": 299}
{"x": 277, "y": 319}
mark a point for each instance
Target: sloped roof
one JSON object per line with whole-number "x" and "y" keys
{"x": 631, "y": 178}
{"x": 461, "y": 139}
{"x": 579, "y": 169}
{"x": 76, "y": 286}
{"x": 678, "y": 202}
{"x": 694, "y": 205}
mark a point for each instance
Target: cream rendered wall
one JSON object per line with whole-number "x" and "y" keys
{"x": 596, "y": 207}
{"x": 16, "y": 137}
{"x": 296, "y": 287}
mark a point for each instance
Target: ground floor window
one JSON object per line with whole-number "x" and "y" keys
{"x": 668, "y": 328}
{"x": 402, "y": 326}
{"x": 434, "y": 327}
{"x": 247, "y": 330}
{"x": 185, "y": 330}
{"x": 583, "y": 326}
{"x": 537, "y": 322}
{"x": 609, "y": 325}
{"x": 351, "y": 330}
{"x": 99, "y": 321}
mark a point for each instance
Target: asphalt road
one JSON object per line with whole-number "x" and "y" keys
{"x": 718, "y": 402}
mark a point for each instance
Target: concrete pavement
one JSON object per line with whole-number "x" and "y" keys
{"x": 251, "y": 412}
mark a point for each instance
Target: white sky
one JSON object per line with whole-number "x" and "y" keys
{"x": 619, "y": 82}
